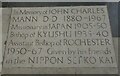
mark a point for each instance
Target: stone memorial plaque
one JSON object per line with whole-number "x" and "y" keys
{"x": 77, "y": 36}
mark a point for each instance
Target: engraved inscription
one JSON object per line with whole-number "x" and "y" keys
{"x": 78, "y": 36}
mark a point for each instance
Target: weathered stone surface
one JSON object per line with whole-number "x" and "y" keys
{"x": 82, "y": 35}
{"x": 5, "y": 23}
